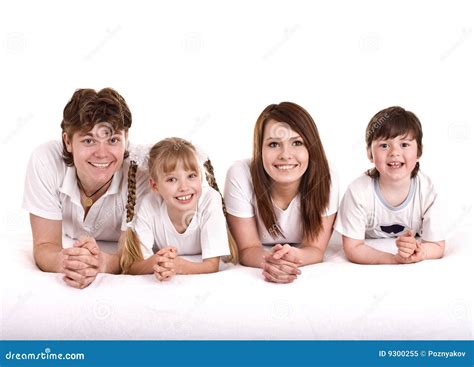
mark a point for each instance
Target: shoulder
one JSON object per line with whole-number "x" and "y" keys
{"x": 240, "y": 168}
{"x": 49, "y": 153}
{"x": 362, "y": 186}
{"x": 210, "y": 197}
{"x": 425, "y": 182}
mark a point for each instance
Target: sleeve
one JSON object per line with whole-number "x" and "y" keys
{"x": 143, "y": 227}
{"x": 238, "y": 191}
{"x": 351, "y": 218}
{"x": 41, "y": 190}
{"x": 213, "y": 228}
{"x": 433, "y": 220}
{"x": 333, "y": 195}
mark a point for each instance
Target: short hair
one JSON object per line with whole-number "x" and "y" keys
{"x": 88, "y": 108}
{"x": 390, "y": 123}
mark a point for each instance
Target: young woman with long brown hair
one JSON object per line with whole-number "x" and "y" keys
{"x": 285, "y": 196}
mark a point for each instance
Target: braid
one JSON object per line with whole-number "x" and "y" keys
{"x": 130, "y": 250}
{"x": 211, "y": 179}
{"x": 132, "y": 190}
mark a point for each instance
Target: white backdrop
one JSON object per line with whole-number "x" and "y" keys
{"x": 204, "y": 70}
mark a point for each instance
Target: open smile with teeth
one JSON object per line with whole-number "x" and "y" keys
{"x": 100, "y": 165}
{"x": 285, "y": 167}
{"x": 395, "y": 164}
{"x": 184, "y": 197}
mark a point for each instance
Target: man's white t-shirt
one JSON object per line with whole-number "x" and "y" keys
{"x": 240, "y": 201}
{"x": 364, "y": 213}
{"x": 206, "y": 233}
{"x": 51, "y": 192}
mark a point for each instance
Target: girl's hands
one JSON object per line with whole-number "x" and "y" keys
{"x": 167, "y": 263}
{"x": 281, "y": 265}
{"x": 410, "y": 250}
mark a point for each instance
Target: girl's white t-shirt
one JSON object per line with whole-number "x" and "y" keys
{"x": 51, "y": 192}
{"x": 240, "y": 201}
{"x": 206, "y": 233}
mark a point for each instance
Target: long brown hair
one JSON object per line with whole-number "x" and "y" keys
{"x": 315, "y": 185}
{"x": 390, "y": 123}
{"x": 164, "y": 156}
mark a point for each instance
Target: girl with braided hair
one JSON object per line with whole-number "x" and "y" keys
{"x": 77, "y": 187}
{"x": 181, "y": 216}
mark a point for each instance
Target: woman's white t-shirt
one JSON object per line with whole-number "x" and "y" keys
{"x": 51, "y": 192}
{"x": 206, "y": 233}
{"x": 240, "y": 201}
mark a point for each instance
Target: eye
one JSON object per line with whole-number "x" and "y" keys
{"x": 273, "y": 144}
{"x": 383, "y": 145}
{"x": 87, "y": 141}
{"x": 405, "y": 145}
{"x": 171, "y": 179}
{"x": 298, "y": 143}
{"x": 114, "y": 140}
{"x": 192, "y": 175}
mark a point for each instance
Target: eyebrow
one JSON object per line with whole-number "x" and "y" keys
{"x": 293, "y": 138}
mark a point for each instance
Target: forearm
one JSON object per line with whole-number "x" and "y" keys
{"x": 252, "y": 256}
{"x": 210, "y": 265}
{"x": 143, "y": 267}
{"x": 432, "y": 250}
{"x": 309, "y": 255}
{"x": 48, "y": 257}
{"x": 364, "y": 254}
{"x": 110, "y": 263}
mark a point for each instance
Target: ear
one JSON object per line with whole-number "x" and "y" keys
{"x": 153, "y": 185}
{"x": 67, "y": 142}
{"x": 369, "y": 155}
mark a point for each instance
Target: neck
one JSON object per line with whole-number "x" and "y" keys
{"x": 92, "y": 188}
{"x": 179, "y": 218}
{"x": 283, "y": 193}
{"x": 395, "y": 185}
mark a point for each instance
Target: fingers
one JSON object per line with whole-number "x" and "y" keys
{"x": 77, "y": 251}
{"x": 279, "y": 251}
{"x": 283, "y": 265}
{"x": 80, "y": 262}
{"x": 76, "y": 284}
{"x": 406, "y": 248}
{"x": 276, "y": 274}
{"x": 88, "y": 243}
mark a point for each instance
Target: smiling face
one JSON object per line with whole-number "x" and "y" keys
{"x": 180, "y": 188}
{"x": 97, "y": 154}
{"x": 394, "y": 158}
{"x": 284, "y": 155}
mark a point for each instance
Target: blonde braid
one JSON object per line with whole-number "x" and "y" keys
{"x": 211, "y": 179}
{"x": 130, "y": 251}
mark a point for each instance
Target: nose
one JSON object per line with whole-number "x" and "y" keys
{"x": 394, "y": 150}
{"x": 182, "y": 185}
{"x": 101, "y": 150}
{"x": 285, "y": 151}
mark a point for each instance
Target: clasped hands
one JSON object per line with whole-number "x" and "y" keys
{"x": 410, "y": 249}
{"x": 167, "y": 263}
{"x": 81, "y": 263}
{"x": 281, "y": 264}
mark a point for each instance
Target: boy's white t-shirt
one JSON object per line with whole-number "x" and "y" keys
{"x": 51, "y": 192}
{"x": 240, "y": 201}
{"x": 364, "y": 213}
{"x": 206, "y": 233}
